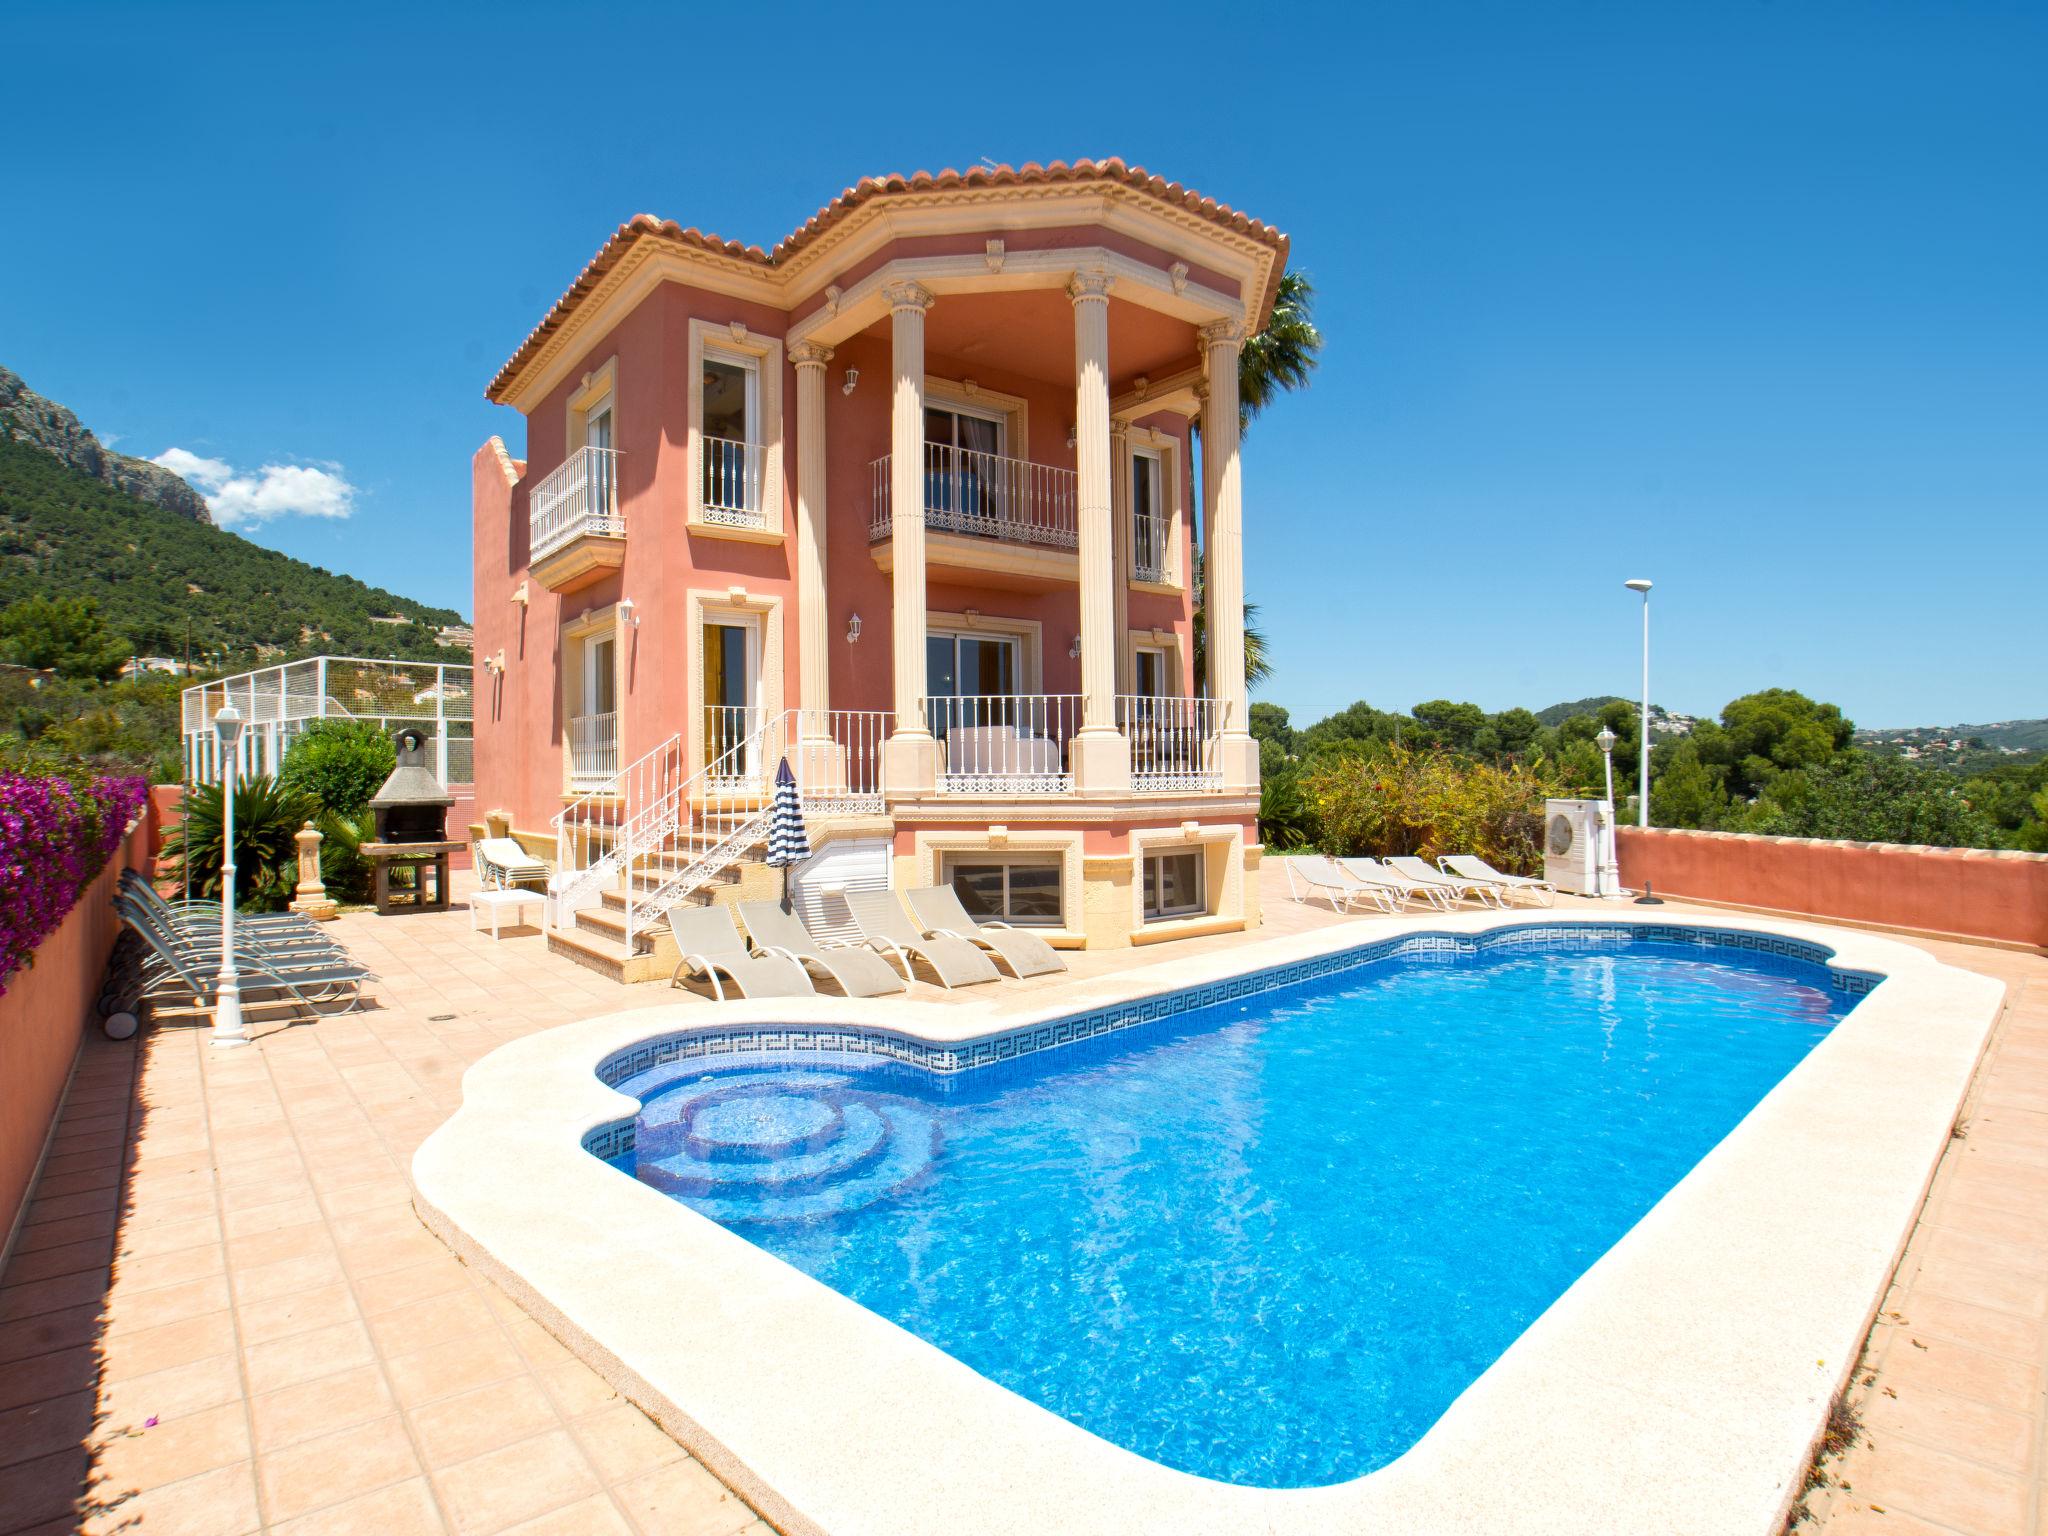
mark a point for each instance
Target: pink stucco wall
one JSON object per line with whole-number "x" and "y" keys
{"x": 43, "y": 1015}
{"x": 519, "y": 715}
{"x": 1971, "y": 892}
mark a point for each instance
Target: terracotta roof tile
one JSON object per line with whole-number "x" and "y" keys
{"x": 867, "y": 190}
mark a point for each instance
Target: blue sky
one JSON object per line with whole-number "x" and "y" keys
{"x": 1750, "y": 299}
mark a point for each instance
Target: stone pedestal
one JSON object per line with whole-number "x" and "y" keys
{"x": 910, "y": 764}
{"x": 1100, "y": 762}
{"x": 311, "y": 896}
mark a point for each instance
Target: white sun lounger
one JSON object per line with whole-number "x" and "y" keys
{"x": 939, "y": 908}
{"x": 1404, "y": 888}
{"x": 1419, "y": 871}
{"x": 502, "y": 863}
{"x": 856, "y": 971}
{"x": 1326, "y": 879}
{"x": 712, "y": 951}
{"x": 1469, "y": 866}
{"x": 891, "y": 931}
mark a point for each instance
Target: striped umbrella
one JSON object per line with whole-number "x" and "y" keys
{"x": 787, "y": 843}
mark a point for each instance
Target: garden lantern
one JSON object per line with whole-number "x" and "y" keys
{"x": 227, "y": 1004}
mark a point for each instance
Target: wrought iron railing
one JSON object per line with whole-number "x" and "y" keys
{"x": 1004, "y": 743}
{"x": 732, "y": 483}
{"x": 987, "y": 494}
{"x": 593, "y": 749}
{"x": 1149, "y": 535}
{"x": 582, "y": 497}
{"x": 1173, "y": 741}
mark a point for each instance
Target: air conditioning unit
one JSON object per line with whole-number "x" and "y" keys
{"x": 1574, "y": 834}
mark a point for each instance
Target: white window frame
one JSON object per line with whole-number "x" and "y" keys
{"x": 733, "y": 343}
{"x": 1008, "y": 860}
{"x": 1169, "y": 486}
{"x": 1154, "y": 856}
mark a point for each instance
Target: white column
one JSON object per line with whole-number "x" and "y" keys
{"x": 910, "y": 757}
{"x": 814, "y": 656}
{"x": 1101, "y": 757}
{"x": 1223, "y": 577}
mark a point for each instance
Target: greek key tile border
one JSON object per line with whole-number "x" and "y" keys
{"x": 713, "y": 1044}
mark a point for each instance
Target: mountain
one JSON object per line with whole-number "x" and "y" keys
{"x": 26, "y": 417}
{"x": 1557, "y": 714}
{"x": 1967, "y": 748}
{"x": 173, "y": 584}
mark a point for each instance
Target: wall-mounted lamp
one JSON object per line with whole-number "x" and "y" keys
{"x": 1072, "y": 433}
{"x": 1074, "y": 650}
{"x": 627, "y": 613}
{"x": 519, "y": 595}
{"x": 852, "y": 378}
{"x": 495, "y": 664}
{"x": 853, "y": 629}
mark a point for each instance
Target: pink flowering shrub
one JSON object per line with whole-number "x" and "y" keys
{"x": 55, "y": 836}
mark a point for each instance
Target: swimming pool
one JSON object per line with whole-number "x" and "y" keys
{"x": 1267, "y": 1239}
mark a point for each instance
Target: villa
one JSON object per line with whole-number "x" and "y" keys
{"x": 907, "y": 501}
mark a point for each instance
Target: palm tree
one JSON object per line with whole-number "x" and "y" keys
{"x": 1281, "y": 357}
{"x": 1284, "y": 354}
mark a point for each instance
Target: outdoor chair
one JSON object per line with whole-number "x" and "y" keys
{"x": 1469, "y": 866}
{"x": 856, "y": 971}
{"x": 713, "y": 952}
{"x": 944, "y": 916}
{"x": 890, "y": 930}
{"x": 1321, "y": 877}
{"x": 502, "y": 863}
{"x": 1422, "y": 873}
{"x": 1403, "y": 889}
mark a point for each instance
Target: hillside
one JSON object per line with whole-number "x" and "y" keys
{"x": 26, "y": 417}
{"x": 1963, "y": 748}
{"x": 169, "y": 582}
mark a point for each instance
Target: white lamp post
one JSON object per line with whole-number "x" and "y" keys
{"x": 1639, "y": 584}
{"x": 1610, "y": 864}
{"x": 227, "y": 1004}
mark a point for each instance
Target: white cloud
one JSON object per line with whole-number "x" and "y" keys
{"x": 275, "y": 490}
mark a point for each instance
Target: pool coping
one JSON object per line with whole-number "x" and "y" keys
{"x": 1678, "y": 1383}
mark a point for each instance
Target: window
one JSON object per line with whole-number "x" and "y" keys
{"x": 964, "y": 472}
{"x": 729, "y": 429}
{"x": 597, "y": 434}
{"x": 1148, "y": 517}
{"x": 1024, "y": 890}
{"x": 971, "y": 679}
{"x": 1148, "y": 675}
{"x": 731, "y": 668}
{"x": 1173, "y": 884}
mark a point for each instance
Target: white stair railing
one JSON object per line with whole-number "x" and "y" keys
{"x": 605, "y": 831}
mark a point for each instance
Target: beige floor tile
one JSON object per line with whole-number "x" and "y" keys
{"x": 1995, "y": 1437}
{"x": 148, "y": 1350}
{"x": 313, "y": 1474}
{"x": 403, "y": 1509}
{"x": 682, "y": 1499}
{"x": 217, "y": 1503}
{"x": 457, "y": 1429}
{"x": 173, "y": 1449}
{"x": 594, "y": 1516}
{"x": 124, "y": 1402}
{"x": 426, "y": 1375}
{"x": 515, "y": 1482}
{"x": 437, "y": 1320}
{"x": 623, "y": 1443}
{"x": 319, "y": 1407}
{"x": 306, "y": 1356}
{"x": 297, "y": 1311}
{"x": 386, "y": 1292}
{"x": 1945, "y": 1489}
{"x": 265, "y": 1282}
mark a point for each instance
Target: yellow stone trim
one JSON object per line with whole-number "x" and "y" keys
{"x": 1222, "y": 873}
{"x": 930, "y": 848}
{"x": 705, "y": 604}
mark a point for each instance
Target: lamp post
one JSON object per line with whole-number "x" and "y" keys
{"x": 228, "y": 1029}
{"x": 1610, "y": 865}
{"x": 1639, "y": 584}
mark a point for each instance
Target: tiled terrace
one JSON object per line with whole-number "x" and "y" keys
{"x": 223, "y": 1316}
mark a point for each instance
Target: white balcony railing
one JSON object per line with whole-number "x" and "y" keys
{"x": 1149, "y": 534}
{"x": 1173, "y": 741}
{"x": 593, "y": 749}
{"x": 582, "y": 497}
{"x": 987, "y": 494}
{"x": 732, "y": 483}
{"x": 1004, "y": 743}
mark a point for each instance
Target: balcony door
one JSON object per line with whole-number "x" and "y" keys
{"x": 964, "y": 472}
{"x": 602, "y": 476}
{"x": 594, "y": 727}
{"x": 732, "y": 692}
{"x": 972, "y": 679}
{"x": 730, "y": 431}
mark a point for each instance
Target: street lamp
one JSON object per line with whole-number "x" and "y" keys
{"x": 227, "y": 1003}
{"x": 1639, "y": 584}
{"x": 1610, "y": 864}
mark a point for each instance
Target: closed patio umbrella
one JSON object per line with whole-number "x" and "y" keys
{"x": 788, "y": 844}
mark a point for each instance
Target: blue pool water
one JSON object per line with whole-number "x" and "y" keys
{"x": 1269, "y": 1240}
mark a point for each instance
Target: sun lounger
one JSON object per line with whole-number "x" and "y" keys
{"x": 1403, "y": 888}
{"x": 889, "y": 930}
{"x": 502, "y": 862}
{"x": 712, "y": 951}
{"x": 1470, "y": 866}
{"x": 1323, "y": 878}
{"x": 856, "y": 971}
{"x": 939, "y": 908}
{"x": 1418, "y": 870}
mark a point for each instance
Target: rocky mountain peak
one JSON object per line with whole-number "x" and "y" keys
{"x": 27, "y": 417}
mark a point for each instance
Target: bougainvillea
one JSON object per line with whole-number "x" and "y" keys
{"x": 55, "y": 836}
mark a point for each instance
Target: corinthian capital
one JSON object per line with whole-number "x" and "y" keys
{"x": 1090, "y": 285}
{"x": 809, "y": 354}
{"x": 908, "y": 296}
{"x": 1222, "y": 333}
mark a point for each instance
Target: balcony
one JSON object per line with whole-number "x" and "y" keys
{"x": 732, "y": 484}
{"x": 1000, "y": 521}
{"x": 1149, "y": 534}
{"x": 1173, "y": 742}
{"x": 576, "y": 532}
{"x": 1004, "y": 744}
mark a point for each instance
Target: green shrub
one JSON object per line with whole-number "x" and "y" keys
{"x": 268, "y": 816}
{"x": 1381, "y": 798}
{"x": 340, "y": 763}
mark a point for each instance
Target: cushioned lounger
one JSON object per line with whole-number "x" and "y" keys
{"x": 1469, "y": 866}
{"x": 938, "y": 907}
{"x": 890, "y": 930}
{"x": 855, "y": 971}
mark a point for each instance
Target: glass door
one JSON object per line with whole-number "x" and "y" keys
{"x": 597, "y": 433}
{"x": 971, "y": 679}
{"x": 963, "y": 468}
{"x": 731, "y": 690}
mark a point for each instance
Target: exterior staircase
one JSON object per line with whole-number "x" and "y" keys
{"x": 652, "y": 837}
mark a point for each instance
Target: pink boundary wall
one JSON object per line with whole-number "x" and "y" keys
{"x": 1966, "y": 892}
{"x": 43, "y": 1016}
